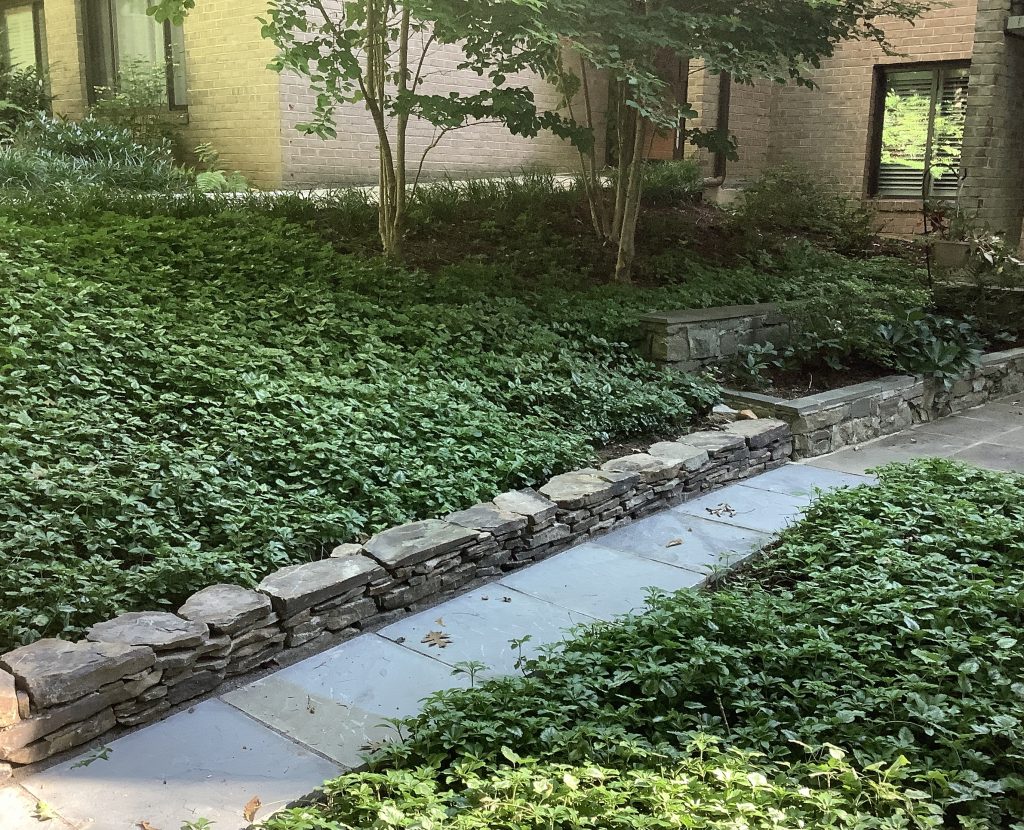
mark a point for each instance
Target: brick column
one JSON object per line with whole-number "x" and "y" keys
{"x": 65, "y": 43}
{"x": 993, "y": 155}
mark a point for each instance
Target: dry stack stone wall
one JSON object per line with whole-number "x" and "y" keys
{"x": 695, "y": 339}
{"x": 56, "y": 695}
{"x": 829, "y": 421}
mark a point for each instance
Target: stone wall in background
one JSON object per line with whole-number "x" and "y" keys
{"x": 56, "y": 695}
{"x": 829, "y": 421}
{"x": 694, "y": 339}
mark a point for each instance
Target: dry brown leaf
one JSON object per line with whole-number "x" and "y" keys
{"x": 437, "y": 638}
{"x": 674, "y": 543}
{"x": 251, "y": 807}
{"x": 145, "y": 825}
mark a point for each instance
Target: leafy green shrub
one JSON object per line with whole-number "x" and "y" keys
{"x": 190, "y": 401}
{"x": 89, "y": 140}
{"x": 23, "y": 93}
{"x": 886, "y": 624}
{"x": 55, "y": 153}
{"x": 138, "y": 105}
{"x": 672, "y": 183}
{"x": 790, "y": 200}
{"x": 710, "y": 787}
{"x": 934, "y": 346}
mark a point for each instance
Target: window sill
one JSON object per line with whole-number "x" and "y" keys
{"x": 894, "y": 205}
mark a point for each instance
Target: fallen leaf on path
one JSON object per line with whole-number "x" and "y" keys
{"x": 437, "y": 638}
{"x": 440, "y": 621}
{"x": 145, "y": 825}
{"x": 251, "y": 807}
{"x": 723, "y": 509}
{"x": 43, "y": 811}
{"x": 674, "y": 543}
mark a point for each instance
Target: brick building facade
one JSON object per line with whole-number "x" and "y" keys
{"x": 248, "y": 113}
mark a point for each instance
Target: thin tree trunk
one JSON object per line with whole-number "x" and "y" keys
{"x": 626, "y": 123}
{"x": 588, "y": 161}
{"x": 631, "y": 206}
{"x": 374, "y": 94}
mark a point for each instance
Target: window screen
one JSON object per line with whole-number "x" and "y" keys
{"x": 123, "y": 40}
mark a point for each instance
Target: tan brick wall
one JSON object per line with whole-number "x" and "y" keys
{"x": 234, "y": 101}
{"x": 828, "y": 129}
{"x": 66, "y": 55}
{"x": 477, "y": 150}
{"x": 993, "y": 157}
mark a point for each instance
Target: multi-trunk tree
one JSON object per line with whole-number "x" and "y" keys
{"x": 609, "y": 58}
{"x": 377, "y": 53}
{"x": 637, "y": 47}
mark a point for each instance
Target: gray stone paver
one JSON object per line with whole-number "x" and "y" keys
{"x": 481, "y": 623}
{"x": 988, "y": 436}
{"x": 742, "y": 506}
{"x": 280, "y": 736}
{"x": 686, "y": 541}
{"x": 598, "y": 581}
{"x": 206, "y": 762}
{"x": 802, "y": 481}
{"x": 337, "y": 701}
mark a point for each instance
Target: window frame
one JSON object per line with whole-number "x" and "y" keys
{"x": 92, "y": 9}
{"x": 877, "y": 120}
{"x": 38, "y": 29}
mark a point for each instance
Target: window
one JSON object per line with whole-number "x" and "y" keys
{"x": 920, "y": 131}
{"x": 22, "y": 36}
{"x": 121, "y": 39}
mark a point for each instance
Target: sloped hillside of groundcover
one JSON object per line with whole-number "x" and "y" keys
{"x": 198, "y": 400}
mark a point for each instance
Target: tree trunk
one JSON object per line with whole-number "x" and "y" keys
{"x": 631, "y": 204}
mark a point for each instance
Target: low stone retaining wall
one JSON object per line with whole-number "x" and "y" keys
{"x": 694, "y": 339}
{"x": 829, "y": 421}
{"x": 56, "y": 695}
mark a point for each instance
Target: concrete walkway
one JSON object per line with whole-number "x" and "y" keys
{"x": 278, "y": 738}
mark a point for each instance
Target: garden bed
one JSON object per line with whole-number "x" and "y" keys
{"x": 828, "y": 421}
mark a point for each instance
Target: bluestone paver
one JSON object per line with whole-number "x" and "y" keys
{"x": 337, "y": 701}
{"x": 993, "y": 456}
{"x": 599, "y": 582}
{"x": 686, "y": 541}
{"x": 480, "y": 625}
{"x": 803, "y": 482}
{"x": 742, "y": 506}
{"x": 206, "y": 762}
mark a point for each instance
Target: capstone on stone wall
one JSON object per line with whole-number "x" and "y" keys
{"x": 828, "y": 421}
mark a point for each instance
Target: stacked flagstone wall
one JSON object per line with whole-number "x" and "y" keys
{"x": 56, "y": 695}
{"x": 828, "y": 421}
